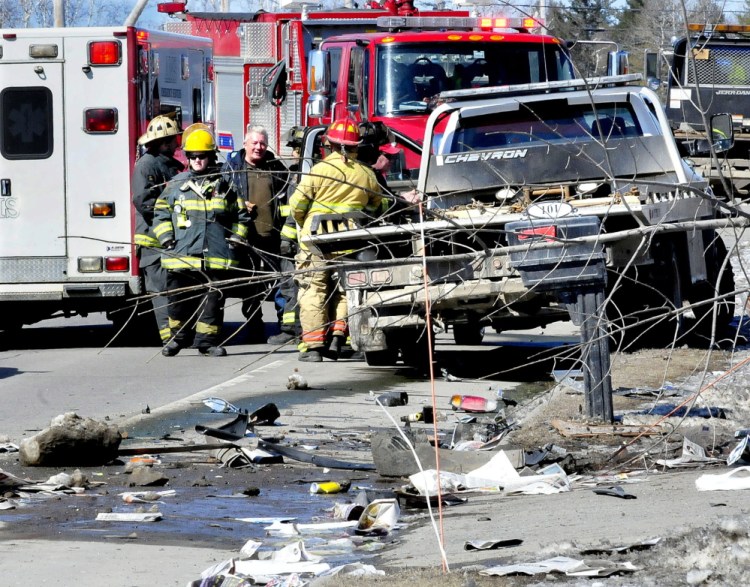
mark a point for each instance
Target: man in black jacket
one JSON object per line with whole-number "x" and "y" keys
{"x": 150, "y": 176}
{"x": 260, "y": 180}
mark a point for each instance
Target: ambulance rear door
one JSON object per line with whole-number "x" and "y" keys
{"x": 32, "y": 166}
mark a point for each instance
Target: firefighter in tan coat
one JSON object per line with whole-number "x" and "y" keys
{"x": 337, "y": 184}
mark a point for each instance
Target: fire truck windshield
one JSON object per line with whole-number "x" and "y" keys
{"x": 409, "y": 74}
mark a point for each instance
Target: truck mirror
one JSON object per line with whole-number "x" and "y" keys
{"x": 617, "y": 63}
{"x": 319, "y": 73}
{"x": 722, "y": 132}
{"x": 651, "y": 64}
{"x": 317, "y": 106}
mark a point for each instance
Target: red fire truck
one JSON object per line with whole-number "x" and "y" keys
{"x": 380, "y": 64}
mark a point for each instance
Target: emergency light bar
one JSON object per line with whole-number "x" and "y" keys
{"x": 539, "y": 87}
{"x": 456, "y": 22}
{"x": 718, "y": 28}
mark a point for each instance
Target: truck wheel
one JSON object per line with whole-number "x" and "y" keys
{"x": 416, "y": 351}
{"x": 471, "y": 333}
{"x": 719, "y": 283}
{"x": 642, "y": 307}
{"x": 386, "y": 358}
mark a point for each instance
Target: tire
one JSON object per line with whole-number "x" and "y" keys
{"x": 719, "y": 283}
{"x": 415, "y": 348}
{"x": 471, "y": 333}
{"x": 642, "y": 309}
{"x": 386, "y": 358}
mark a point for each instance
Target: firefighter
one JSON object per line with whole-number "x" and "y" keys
{"x": 337, "y": 184}
{"x": 290, "y": 327}
{"x": 200, "y": 221}
{"x": 150, "y": 176}
{"x": 260, "y": 180}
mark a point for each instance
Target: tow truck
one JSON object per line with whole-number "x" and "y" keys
{"x": 530, "y": 192}
{"x": 707, "y": 73}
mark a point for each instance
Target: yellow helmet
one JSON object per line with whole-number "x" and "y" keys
{"x": 199, "y": 140}
{"x": 159, "y": 128}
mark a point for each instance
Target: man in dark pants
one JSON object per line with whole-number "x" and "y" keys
{"x": 150, "y": 176}
{"x": 260, "y": 180}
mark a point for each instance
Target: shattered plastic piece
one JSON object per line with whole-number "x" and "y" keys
{"x": 291, "y": 529}
{"x": 379, "y": 518}
{"x": 353, "y": 570}
{"x": 146, "y": 496}
{"x": 562, "y": 564}
{"x": 492, "y": 544}
{"x": 642, "y": 545}
{"x": 473, "y": 403}
{"x": 693, "y": 454}
{"x": 265, "y": 520}
{"x": 448, "y": 377}
{"x": 264, "y": 415}
{"x": 250, "y": 547}
{"x": 347, "y": 511}
{"x": 294, "y": 553}
{"x": 234, "y": 430}
{"x": 393, "y": 398}
{"x": 738, "y": 478}
{"x": 220, "y": 405}
{"x": 739, "y": 452}
{"x": 271, "y": 568}
{"x": 8, "y": 447}
{"x": 615, "y": 491}
{"x": 129, "y": 517}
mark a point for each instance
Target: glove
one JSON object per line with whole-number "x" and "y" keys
{"x": 235, "y": 241}
{"x": 288, "y": 248}
{"x": 170, "y": 244}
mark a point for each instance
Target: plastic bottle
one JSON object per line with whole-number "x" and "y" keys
{"x": 473, "y": 403}
{"x": 329, "y": 487}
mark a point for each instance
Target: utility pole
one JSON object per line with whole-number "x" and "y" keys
{"x": 135, "y": 14}
{"x": 59, "y": 13}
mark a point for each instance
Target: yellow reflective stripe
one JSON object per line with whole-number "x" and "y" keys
{"x": 203, "y": 328}
{"x": 146, "y": 241}
{"x": 289, "y": 232}
{"x": 288, "y": 317}
{"x": 323, "y": 207}
{"x": 163, "y": 228}
{"x": 161, "y": 205}
{"x": 165, "y": 333}
{"x": 285, "y": 209}
{"x": 197, "y": 263}
{"x": 240, "y": 230}
{"x": 175, "y": 324}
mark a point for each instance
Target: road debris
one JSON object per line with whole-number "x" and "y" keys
{"x": 738, "y": 478}
{"x": 565, "y": 565}
{"x": 492, "y": 544}
{"x": 129, "y": 517}
{"x": 615, "y": 491}
{"x": 71, "y": 440}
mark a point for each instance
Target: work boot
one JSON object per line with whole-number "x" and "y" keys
{"x": 334, "y": 349}
{"x": 310, "y": 356}
{"x": 171, "y": 349}
{"x": 281, "y": 338}
{"x": 213, "y": 351}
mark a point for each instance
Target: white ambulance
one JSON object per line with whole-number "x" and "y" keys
{"x": 73, "y": 102}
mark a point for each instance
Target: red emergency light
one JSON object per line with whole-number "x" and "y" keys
{"x": 171, "y": 7}
{"x": 488, "y": 23}
{"x": 100, "y": 120}
{"x": 105, "y": 53}
{"x": 116, "y": 264}
{"x": 547, "y": 233}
